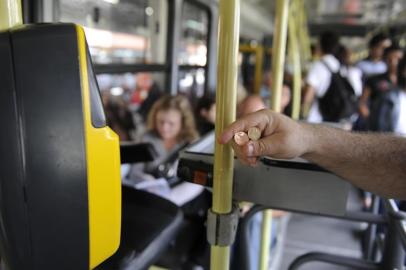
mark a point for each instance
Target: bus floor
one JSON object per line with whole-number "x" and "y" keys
{"x": 308, "y": 233}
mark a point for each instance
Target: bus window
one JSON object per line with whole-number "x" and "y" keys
{"x": 192, "y": 56}
{"x": 194, "y": 35}
{"x": 132, "y": 88}
{"x": 127, "y": 99}
{"x": 191, "y": 83}
{"x": 120, "y": 32}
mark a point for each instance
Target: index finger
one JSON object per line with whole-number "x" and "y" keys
{"x": 242, "y": 124}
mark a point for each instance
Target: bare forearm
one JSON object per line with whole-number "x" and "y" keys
{"x": 373, "y": 162}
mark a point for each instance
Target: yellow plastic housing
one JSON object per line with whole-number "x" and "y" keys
{"x": 10, "y": 14}
{"x": 103, "y": 174}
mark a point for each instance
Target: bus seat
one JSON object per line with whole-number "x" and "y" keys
{"x": 131, "y": 152}
{"x": 149, "y": 224}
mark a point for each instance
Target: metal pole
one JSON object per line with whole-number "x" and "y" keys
{"x": 304, "y": 33}
{"x": 393, "y": 254}
{"x": 229, "y": 22}
{"x": 265, "y": 239}
{"x": 173, "y": 46}
{"x": 259, "y": 56}
{"x": 278, "y": 52}
{"x": 10, "y": 14}
{"x": 278, "y": 59}
{"x": 295, "y": 60}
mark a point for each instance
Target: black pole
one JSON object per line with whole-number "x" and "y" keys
{"x": 333, "y": 259}
{"x": 393, "y": 253}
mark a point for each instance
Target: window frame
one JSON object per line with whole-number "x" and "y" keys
{"x": 34, "y": 12}
{"x": 185, "y": 67}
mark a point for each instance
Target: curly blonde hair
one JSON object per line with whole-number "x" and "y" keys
{"x": 188, "y": 131}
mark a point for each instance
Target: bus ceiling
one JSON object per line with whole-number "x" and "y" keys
{"x": 347, "y": 17}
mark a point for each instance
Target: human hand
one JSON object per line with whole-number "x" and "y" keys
{"x": 364, "y": 110}
{"x": 281, "y": 137}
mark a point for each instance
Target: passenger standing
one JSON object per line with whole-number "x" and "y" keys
{"x": 401, "y": 125}
{"x": 374, "y": 64}
{"x": 380, "y": 101}
{"x": 348, "y": 70}
{"x": 319, "y": 76}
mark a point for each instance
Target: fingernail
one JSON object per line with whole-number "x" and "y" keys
{"x": 250, "y": 149}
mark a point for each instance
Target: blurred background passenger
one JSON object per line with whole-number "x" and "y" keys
{"x": 348, "y": 70}
{"x": 333, "y": 85}
{"x": 319, "y": 76}
{"x": 206, "y": 114}
{"x": 145, "y": 94}
{"x": 401, "y": 125}
{"x": 118, "y": 116}
{"x": 286, "y": 104}
{"x": 170, "y": 127}
{"x": 380, "y": 100}
{"x": 374, "y": 64}
{"x": 249, "y": 104}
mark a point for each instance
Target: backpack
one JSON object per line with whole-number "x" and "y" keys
{"x": 384, "y": 111}
{"x": 339, "y": 101}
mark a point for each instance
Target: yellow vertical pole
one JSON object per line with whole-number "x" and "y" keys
{"x": 229, "y": 26}
{"x": 278, "y": 60}
{"x": 303, "y": 34}
{"x": 295, "y": 59}
{"x": 259, "y": 56}
{"x": 278, "y": 52}
{"x": 10, "y": 14}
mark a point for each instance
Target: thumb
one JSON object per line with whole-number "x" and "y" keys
{"x": 258, "y": 148}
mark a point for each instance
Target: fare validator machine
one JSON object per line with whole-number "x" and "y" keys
{"x": 292, "y": 185}
{"x": 60, "y": 188}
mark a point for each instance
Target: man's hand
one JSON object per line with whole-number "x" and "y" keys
{"x": 281, "y": 137}
{"x": 374, "y": 162}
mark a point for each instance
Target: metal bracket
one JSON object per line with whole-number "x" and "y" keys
{"x": 222, "y": 228}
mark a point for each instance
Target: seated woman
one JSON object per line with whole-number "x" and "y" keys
{"x": 170, "y": 126}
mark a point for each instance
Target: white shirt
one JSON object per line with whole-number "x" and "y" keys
{"x": 401, "y": 125}
{"x": 370, "y": 68}
{"x": 319, "y": 78}
{"x": 354, "y": 77}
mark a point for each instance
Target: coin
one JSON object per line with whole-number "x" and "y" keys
{"x": 254, "y": 133}
{"x": 241, "y": 138}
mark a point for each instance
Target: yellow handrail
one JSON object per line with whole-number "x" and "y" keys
{"x": 248, "y": 49}
{"x": 278, "y": 59}
{"x": 10, "y": 14}
{"x": 295, "y": 59}
{"x": 303, "y": 34}
{"x": 278, "y": 52}
{"x": 259, "y": 56}
{"x": 229, "y": 22}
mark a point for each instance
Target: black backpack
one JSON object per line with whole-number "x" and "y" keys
{"x": 339, "y": 101}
